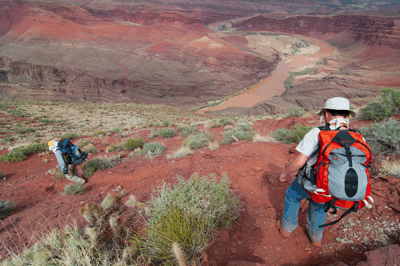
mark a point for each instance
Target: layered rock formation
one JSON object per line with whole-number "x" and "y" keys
{"x": 368, "y": 49}
{"x": 371, "y": 30}
{"x": 53, "y": 52}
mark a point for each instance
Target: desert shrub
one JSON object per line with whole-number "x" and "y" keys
{"x": 98, "y": 164}
{"x": 73, "y": 189}
{"x": 69, "y": 246}
{"x": 260, "y": 138}
{"x": 220, "y": 122}
{"x": 166, "y": 123}
{"x": 25, "y": 130}
{"x": 20, "y": 154}
{"x": 388, "y": 105}
{"x": 199, "y": 140}
{"x": 35, "y": 148}
{"x": 126, "y": 145}
{"x": 16, "y": 155}
{"x": 113, "y": 147}
{"x": 1, "y": 175}
{"x": 180, "y": 153}
{"x": 188, "y": 214}
{"x": 390, "y": 168}
{"x": 90, "y": 148}
{"x": 383, "y": 137}
{"x": 163, "y": 132}
{"x": 297, "y": 112}
{"x": 102, "y": 242}
{"x": 6, "y": 209}
{"x": 187, "y": 130}
{"x": 132, "y": 144}
{"x": 152, "y": 149}
{"x": 58, "y": 175}
{"x": 69, "y": 135}
{"x": 213, "y": 145}
{"x": 98, "y": 133}
{"x": 294, "y": 135}
{"x": 9, "y": 139}
{"x": 116, "y": 130}
{"x": 242, "y": 131}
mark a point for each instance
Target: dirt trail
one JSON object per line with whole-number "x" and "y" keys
{"x": 274, "y": 84}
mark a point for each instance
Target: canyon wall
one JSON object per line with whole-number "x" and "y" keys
{"x": 64, "y": 52}
{"x": 339, "y": 30}
{"x": 366, "y": 60}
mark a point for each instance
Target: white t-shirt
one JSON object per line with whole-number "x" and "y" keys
{"x": 309, "y": 143}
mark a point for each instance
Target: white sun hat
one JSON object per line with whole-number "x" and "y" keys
{"x": 337, "y": 103}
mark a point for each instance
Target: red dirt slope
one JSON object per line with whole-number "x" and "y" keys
{"x": 253, "y": 169}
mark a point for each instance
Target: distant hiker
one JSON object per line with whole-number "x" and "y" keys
{"x": 68, "y": 157}
{"x": 332, "y": 164}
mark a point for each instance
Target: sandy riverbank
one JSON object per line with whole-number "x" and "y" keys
{"x": 274, "y": 84}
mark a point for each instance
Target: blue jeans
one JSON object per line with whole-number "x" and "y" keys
{"x": 315, "y": 214}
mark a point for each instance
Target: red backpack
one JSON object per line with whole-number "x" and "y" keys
{"x": 340, "y": 175}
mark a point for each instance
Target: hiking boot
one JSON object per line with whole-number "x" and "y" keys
{"x": 281, "y": 230}
{"x": 75, "y": 179}
{"x": 314, "y": 243}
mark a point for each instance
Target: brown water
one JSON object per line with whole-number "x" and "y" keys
{"x": 274, "y": 84}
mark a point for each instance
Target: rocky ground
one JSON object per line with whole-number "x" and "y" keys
{"x": 253, "y": 168}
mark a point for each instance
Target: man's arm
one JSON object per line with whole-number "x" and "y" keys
{"x": 293, "y": 166}
{"x": 60, "y": 161}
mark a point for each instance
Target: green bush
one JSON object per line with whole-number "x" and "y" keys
{"x": 126, "y": 145}
{"x": 113, "y": 147}
{"x": 35, "y": 148}
{"x": 163, "y": 132}
{"x": 294, "y": 135}
{"x": 6, "y": 209}
{"x": 25, "y": 130}
{"x": 132, "y": 144}
{"x": 166, "y": 123}
{"x": 68, "y": 246}
{"x": 16, "y": 155}
{"x": 388, "y": 105}
{"x": 73, "y": 189}
{"x": 116, "y": 130}
{"x": 383, "y": 137}
{"x": 199, "y": 140}
{"x": 90, "y": 148}
{"x": 187, "y": 130}
{"x": 20, "y": 154}
{"x": 390, "y": 168}
{"x": 220, "y": 122}
{"x": 98, "y": 164}
{"x": 98, "y": 133}
{"x": 69, "y": 135}
{"x": 188, "y": 214}
{"x": 297, "y": 112}
{"x": 9, "y": 139}
{"x": 84, "y": 142}
{"x": 152, "y": 149}
{"x": 242, "y": 131}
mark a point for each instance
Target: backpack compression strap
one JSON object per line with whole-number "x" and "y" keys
{"x": 331, "y": 205}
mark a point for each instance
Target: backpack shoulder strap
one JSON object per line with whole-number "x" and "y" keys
{"x": 325, "y": 127}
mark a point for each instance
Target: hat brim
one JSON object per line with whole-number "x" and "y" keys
{"x": 321, "y": 111}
